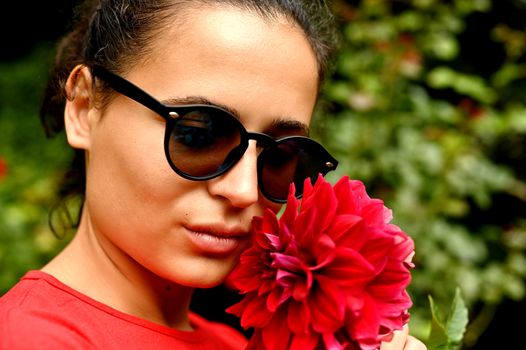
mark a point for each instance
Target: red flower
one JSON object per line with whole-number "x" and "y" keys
{"x": 3, "y": 168}
{"x": 330, "y": 273}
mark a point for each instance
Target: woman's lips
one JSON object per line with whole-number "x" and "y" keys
{"x": 215, "y": 242}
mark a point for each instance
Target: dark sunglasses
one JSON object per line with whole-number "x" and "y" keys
{"x": 204, "y": 141}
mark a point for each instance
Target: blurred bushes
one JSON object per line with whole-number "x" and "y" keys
{"x": 426, "y": 106}
{"x": 30, "y": 166}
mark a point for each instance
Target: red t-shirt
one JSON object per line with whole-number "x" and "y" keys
{"x": 42, "y": 313}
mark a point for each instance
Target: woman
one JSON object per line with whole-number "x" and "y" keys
{"x": 156, "y": 97}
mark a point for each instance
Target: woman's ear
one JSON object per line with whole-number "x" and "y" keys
{"x": 77, "y": 113}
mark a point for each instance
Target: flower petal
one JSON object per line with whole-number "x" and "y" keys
{"x": 307, "y": 341}
{"x": 323, "y": 251}
{"x": 276, "y": 297}
{"x": 327, "y": 305}
{"x": 255, "y": 313}
{"x": 276, "y": 335}
{"x": 299, "y": 317}
{"x": 350, "y": 269}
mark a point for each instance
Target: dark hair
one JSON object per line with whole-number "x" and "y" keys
{"x": 118, "y": 33}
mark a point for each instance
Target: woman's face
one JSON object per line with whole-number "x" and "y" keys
{"x": 192, "y": 232}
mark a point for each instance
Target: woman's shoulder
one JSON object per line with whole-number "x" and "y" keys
{"x": 29, "y": 317}
{"x": 28, "y": 292}
{"x": 35, "y": 290}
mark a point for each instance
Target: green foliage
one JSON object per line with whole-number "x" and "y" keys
{"x": 413, "y": 113}
{"x": 31, "y": 167}
{"x": 447, "y": 334}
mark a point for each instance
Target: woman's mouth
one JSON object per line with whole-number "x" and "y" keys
{"x": 216, "y": 242}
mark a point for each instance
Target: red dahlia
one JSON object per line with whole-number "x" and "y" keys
{"x": 330, "y": 273}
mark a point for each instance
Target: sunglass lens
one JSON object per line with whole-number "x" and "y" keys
{"x": 204, "y": 141}
{"x": 290, "y": 161}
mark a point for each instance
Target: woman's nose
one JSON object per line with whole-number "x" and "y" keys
{"x": 239, "y": 184}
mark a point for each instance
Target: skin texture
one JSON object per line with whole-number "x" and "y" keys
{"x": 402, "y": 340}
{"x": 141, "y": 246}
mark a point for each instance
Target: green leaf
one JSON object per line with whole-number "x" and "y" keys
{"x": 437, "y": 337}
{"x": 458, "y": 319}
{"x": 448, "y": 335}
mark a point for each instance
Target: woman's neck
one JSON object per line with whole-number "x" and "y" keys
{"x": 97, "y": 268}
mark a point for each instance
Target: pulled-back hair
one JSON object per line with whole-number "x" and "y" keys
{"x": 118, "y": 34}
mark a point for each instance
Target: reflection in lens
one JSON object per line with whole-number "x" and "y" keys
{"x": 281, "y": 166}
{"x": 290, "y": 161}
{"x": 202, "y": 140}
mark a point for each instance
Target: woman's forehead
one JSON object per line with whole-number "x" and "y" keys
{"x": 225, "y": 53}
{"x": 221, "y": 25}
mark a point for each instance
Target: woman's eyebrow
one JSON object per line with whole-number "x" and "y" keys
{"x": 281, "y": 123}
{"x": 290, "y": 124}
{"x": 188, "y": 100}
